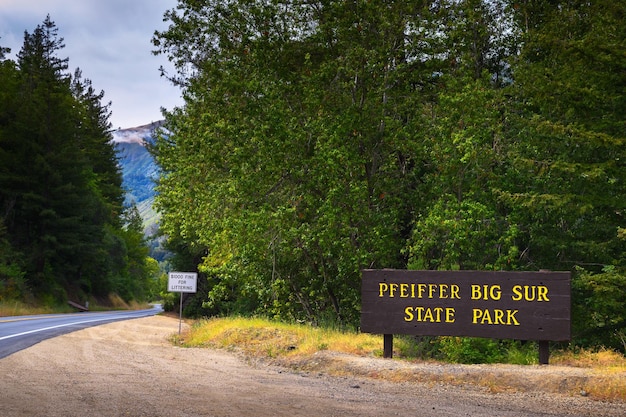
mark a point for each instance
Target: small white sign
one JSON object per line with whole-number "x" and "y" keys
{"x": 182, "y": 282}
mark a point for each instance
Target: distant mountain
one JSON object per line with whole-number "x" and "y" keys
{"x": 139, "y": 170}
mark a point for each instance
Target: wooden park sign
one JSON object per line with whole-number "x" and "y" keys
{"x": 490, "y": 304}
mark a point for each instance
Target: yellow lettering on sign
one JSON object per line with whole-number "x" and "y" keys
{"x": 530, "y": 293}
{"x": 382, "y": 289}
{"x": 422, "y": 290}
{"x": 393, "y": 287}
{"x": 486, "y": 292}
{"x": 449, "y": 315}
{"x": 404, "y": 290}
{"x": 494, "y": 317}
{"x": 432, "y": 289}
{"x": 454, "y": 291}
{"x": 430, "y": 315}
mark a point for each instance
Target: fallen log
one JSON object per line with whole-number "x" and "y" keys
{"x": 78, "y": 306}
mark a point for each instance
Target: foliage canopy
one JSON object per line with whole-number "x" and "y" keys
{"x": 319, "y": 138}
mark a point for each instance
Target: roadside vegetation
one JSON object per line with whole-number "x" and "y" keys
{"x": 19, "y": 308}
{"x": 313, "y": 349}
{"x": 113, "y": 302}
{"x": 65, "y": 231}
{"x": 319, "y": 139}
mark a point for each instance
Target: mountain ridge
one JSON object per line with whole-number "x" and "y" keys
{"x": 137, "y": 134}
{"x": 139, "y": 169}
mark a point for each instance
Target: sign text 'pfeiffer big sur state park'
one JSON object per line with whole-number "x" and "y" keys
{"x": 491, "y": 304}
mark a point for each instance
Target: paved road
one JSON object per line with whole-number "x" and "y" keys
{"x": 21, "y": 332}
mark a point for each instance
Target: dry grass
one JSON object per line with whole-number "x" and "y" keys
{"x": 117, "y": 303}
{"x": 608, "y": 369}
{"x": 17, "y": 308}
{"x": 603, "y": 358}
{"x": 263, "y": 338}
{"x": 599, "y": 375}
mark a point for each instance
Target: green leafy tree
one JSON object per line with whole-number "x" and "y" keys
{"x": 293, "y": 161}
{"x": 462, "y": 224}
{"x": 319, "y": 139}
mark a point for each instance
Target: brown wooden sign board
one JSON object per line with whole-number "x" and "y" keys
{"x": 490, "y": 304}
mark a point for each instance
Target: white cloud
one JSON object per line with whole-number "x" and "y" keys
{"x": 110, "y": 42}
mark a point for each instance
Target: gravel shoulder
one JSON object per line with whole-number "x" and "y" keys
{"x": 130, "y": 368}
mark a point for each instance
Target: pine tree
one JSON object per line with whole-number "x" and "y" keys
{"x": 63, "y": 196}
{"x": 12, "y": 282}
{"x": 569, "y": 171}
{"x": 93, "y": 131}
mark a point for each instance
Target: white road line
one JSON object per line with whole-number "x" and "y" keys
{"x": 64, "y": 325}
{"x": 10, "y": 319}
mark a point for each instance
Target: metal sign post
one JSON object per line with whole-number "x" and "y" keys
{"x": 182, "y": 282}
{"x": 180, "y": 314}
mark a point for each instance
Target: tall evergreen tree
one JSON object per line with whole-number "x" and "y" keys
{"x": 47, "y": 187}
{"x": 94, "y": 139}
{"x": 569, "y": 165}
{"x": 12, "y": 283}
{"x": 568, "y": 171}
{"x": 60, "y": 186}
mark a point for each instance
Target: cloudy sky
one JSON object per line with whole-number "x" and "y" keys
{"x": 109, "y": 40}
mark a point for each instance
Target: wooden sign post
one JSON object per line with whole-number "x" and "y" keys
{"x": 490, "y": 304}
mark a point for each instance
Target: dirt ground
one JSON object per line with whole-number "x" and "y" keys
{"x": 129, "y": 368}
